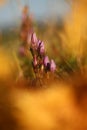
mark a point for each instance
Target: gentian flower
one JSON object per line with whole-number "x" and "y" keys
{"x": 42, "y": 50}
{"x": 38, "y": 43}
{"x": 34, "y": 39}
{"x": 42, "y": 44}
{"x": 40, "y": 47}
{"x": 52, "y": 66}
{"x": 46, "y": 61}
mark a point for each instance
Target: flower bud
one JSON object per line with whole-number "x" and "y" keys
{"x": 42, "y": 50}
{"x": 38, "y": 43}
{"x": 34, "y": 39}
{"x": 46, "y": 61}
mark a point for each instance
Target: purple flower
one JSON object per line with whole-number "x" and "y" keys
{"x": 38, "y": 43}
{"x": 22, "y": 51}
{"x": 46, "y": 61}
{"x": 40, "y": 47}
{"x": 52, "y": 66}
{"x": 34, "y": 39}
{"x": 42, "y": 50}
{"x": 42, "y": 44}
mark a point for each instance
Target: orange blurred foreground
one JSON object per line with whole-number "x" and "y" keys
{"x": 62, "y": 106}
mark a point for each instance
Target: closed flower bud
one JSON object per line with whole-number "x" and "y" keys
{"x": 46, "y": 61}
{"x": 40, "y": 47}
{"x": 38, "y": 43}
{"x": 34, "y": 39}
{"x": 42, "y": 50}
{"x": 42, "y": 44}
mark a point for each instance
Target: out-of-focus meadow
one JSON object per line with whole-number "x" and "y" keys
{"x": 65, "y": 42}
{"x": 60, "y": 103}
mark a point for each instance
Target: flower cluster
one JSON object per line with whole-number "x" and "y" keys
{"x": 41, "y": 62}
